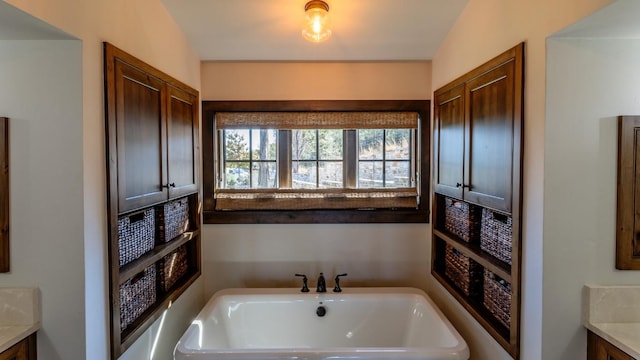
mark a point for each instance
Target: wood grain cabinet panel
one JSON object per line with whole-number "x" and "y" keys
{"x": 474, "y": 132}
{"x": 489, "y": 139}
{"x": 5, "y": 250}
{"x": 182, "y": 140}
{"x": 628, "y": 209}
{"x": 448, "y": 140}
{"x": 141, "y": 126}
{"x": 156, "y": 139}
{"x": 600, "y": 349}
{"x": 24, "y": 350}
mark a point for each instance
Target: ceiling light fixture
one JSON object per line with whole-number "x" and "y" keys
{"x": 316, "y": 28}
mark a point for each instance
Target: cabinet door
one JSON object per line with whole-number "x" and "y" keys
{"x": 600, "y": 349}
{"x": 18, "y": 351}
{"x": 489, "y": 138}
{"x": 182, "y": 147}
{"x": 141, "y": 131}
{"x": 448, "y": 137}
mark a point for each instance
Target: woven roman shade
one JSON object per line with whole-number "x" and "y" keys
{"x": 295, "y": 199}
{"x": 317, "y": 120}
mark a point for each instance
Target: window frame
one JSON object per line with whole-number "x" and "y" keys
{"x": 420, "y": 214}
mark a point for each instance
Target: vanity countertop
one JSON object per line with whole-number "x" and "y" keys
{"x": 19, "y": 315}
{"x": 613, "y": 313}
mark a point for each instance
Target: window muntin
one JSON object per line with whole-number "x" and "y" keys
{"x": 316, "y": 158}
{"x": 249, "y": 158}
{"x": 386, "y": 158}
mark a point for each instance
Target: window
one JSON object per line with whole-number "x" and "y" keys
{"x": 315, "y": 161}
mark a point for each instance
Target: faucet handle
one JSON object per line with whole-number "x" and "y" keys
{"x": 304, "y": 283}
{"x": 337, "y": 288}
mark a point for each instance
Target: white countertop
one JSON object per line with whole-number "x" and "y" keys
{"x": 613, "y": 313}
{"x": 19, "y": 315}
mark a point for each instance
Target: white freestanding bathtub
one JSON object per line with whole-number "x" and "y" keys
{"x": 358, "y": 323}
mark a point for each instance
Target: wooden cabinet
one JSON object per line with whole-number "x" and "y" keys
{"x": 448, "y": 140}
{"x": 152, "y": 149}
{"x": 24, "y": 350}
{"x": 182, "y": 144}
{"x": 600, "y": 349}
{"x": 5, "y": 251}
{"x": 475, "y": 122}
{"x": 156, "y": 141}
{"x": 627, "y": 219}
{"x": 477, "y": 193}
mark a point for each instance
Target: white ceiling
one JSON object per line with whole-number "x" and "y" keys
{"x": 270, "y": 30}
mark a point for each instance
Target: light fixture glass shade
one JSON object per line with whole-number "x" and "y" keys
{"x": 316, "y": 27}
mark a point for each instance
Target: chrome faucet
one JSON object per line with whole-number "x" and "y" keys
{"x": 322, "y": 285}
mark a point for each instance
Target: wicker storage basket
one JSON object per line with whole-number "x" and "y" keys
{"x": 497, "y": 297}
{"x": 462, "y": 219}
{"x": 465, "y": 273}
{"x": 172, "y": 219}
{"x": 495, "y": 235}
{"x": 136, "y": 235}
{"x": 172, "y": 267}
{"x": 137, "y": 295}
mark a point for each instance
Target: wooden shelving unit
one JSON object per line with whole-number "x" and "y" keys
{"x": 478, "y": 165}
{"x": 152, "y": 125}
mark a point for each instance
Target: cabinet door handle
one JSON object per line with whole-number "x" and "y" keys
{"x": 466, "y": 186}
{"x": 458, "y": 185}
{"x": 170, "y": 185}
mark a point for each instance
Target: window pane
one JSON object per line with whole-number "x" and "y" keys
{"x": 236, "y": 175}
{"x": 330, "y": 144}
{"x": 397, "y": 174}
{"x": 398, "y": 144}
{"x": 330, "y": 173}
{"x": 263, "y": 144}
{"x": 303, "y": 145}
{"x": 370, "y": 144}
{"x": 236, "y": 144}
{"x": 370, "y": 174}
{"x": 263, "y": 174}
{"x": 304, "y": 175}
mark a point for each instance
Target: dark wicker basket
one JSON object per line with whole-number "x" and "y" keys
{"x": 137, "y": 295}
{"x": 172, "y": 267}
{"x": 462, "y": 219}
{"x": 464, "y": 272}
{"x": 497, "y": 297}
{"x": 172, "y": 219}
{"x": 136, "y": 235}
{"x": 495, "y": 235}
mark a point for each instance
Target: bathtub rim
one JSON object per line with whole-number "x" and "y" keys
{"x": 460, "y": 349}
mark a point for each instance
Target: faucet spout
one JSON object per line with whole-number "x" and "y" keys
{"x": 322, "y": 285}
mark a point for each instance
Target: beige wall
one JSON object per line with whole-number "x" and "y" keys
{"x": 143, "y": 28}
{"x": 485, "y": 29}
{"x": 316, "y": 80}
